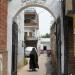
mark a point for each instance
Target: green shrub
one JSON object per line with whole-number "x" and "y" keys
{"x": 25, "y": 61}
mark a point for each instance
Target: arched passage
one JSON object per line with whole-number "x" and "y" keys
{"x": 52, "y": 6}
{"x": 9, "y": 10}
{"x": 34, "y": 5}
{"x": 13, "y": 10}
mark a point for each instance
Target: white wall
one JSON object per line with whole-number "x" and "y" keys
{"x": 48, "y": 46}
{"x": 11, "y": 11}
{"x": 28, "y": 30}
{"x": 20, "y": 21}
{"x": 37, "y": 33}
{"x": 9, "y": 44}
{"x": 38, "y": 46}
{"x": 41, "y": 47}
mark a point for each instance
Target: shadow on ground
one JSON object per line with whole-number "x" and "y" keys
{"x": 48, "y": 66}
{"x": 50, "y": 69}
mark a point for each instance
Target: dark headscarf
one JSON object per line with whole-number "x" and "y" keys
{"x": 33, "y": 59}
{"x": 33, "y": 52}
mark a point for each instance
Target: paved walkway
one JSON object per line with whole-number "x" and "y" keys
{"x": 44, "y": 67}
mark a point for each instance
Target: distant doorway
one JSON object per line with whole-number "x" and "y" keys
{"x": 44, "y": 47}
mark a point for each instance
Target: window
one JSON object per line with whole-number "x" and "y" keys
{"x": 27, "y": 20}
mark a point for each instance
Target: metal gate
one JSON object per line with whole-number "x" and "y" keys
{"x": 14, "y": 48}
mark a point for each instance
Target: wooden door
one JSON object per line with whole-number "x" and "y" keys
{"x": 14, "y": 48}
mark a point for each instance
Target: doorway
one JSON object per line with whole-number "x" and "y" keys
{"x": 44, "y": 47}
{"x": 14, "y": 48}
{"x": 69, "y": 41}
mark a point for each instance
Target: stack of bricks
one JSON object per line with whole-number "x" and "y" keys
{"x": 3, "y": 34}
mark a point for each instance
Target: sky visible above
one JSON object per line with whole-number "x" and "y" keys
{"x": 45, "y": 20}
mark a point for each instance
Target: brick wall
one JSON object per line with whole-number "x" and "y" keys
{"x": 3, "y": 33}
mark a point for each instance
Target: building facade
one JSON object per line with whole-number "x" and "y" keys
{"x": 9, "y": 9}
{"x": 44, "y": 44}
{"x": 19, "y": 20}
{"x": 31, "y": 27}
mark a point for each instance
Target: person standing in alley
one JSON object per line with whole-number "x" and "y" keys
{"x": 33, "y": 63}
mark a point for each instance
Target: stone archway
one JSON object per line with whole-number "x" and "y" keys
{"x": 14, "y": 8}
{"x": 52, "y": 6}
{"x": 8, "y": 11}
{"x": 34, "y": 5}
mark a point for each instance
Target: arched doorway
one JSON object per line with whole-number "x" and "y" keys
{"x": 12, "y": 15}
{"x": 26, "y": 43}
{"x": 15, "y": 69}
{"x": 14, "y": 48}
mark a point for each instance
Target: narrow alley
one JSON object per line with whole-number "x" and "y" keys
{"x": 37, "y": 29}
{"x": 44, "y": 67}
